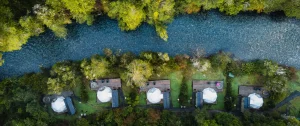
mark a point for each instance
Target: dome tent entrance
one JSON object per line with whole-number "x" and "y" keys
{"x": 209, "y": 95}
{"x": 104, "y": 94}
{"x": 58, "y": 105}
{"x": 256, "y": 101}
{"x": 154, "y": 95}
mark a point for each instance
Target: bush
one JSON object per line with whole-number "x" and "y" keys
{"x": 227, "y": 119}
{"x": 220, "y": 60}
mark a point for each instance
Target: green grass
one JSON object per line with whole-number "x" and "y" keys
{"x": 294, "y": 107}
{"x": 176, "y": 80}
{"x": 143, "y": 98}
{"x": 220, "y": 102}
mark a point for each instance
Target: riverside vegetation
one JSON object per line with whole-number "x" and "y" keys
{"x": 22, "y": 19}
{"x": 21, "y": 96}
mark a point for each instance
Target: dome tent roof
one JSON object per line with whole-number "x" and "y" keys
{"x": 104, "y": 94}
{"x": 256, "y": 101}
{"x": 58, "y": 105}
{"x": 209, "y": 95}
{"x": 154, "y": 95}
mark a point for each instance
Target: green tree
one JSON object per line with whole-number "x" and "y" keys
{"x": 81, "y": 10}
{"x": 31, "y": 25}
{"x": 66, "y": 72}
{"x": 188, "y": 6}
{"x": 12, "y": 36}
{"x": 220, "y": 60}
{"x": 137, "y": 73}
{"x": 82, "y": 122}
{"x": 55, "y": 19}
{"x": 55, "y": 86}
{"x": 276, "y": 83}
{"x": 227, "y": 119}
{"x": 129, "y": 14}
{"x": 183, "y": 95}
{"x": 210, "y": 4}
{"x": 1, "y": 60}
{"x": 96, "y": 68}
{"x": 160, "y": 13}
{"x": 270, "y": 68}
{"x": 231, "y": 7}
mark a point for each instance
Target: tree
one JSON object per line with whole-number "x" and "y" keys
{"x": 54, "y": 19}
{"x": 82, "y": 122}
{"x": 55, "y": 86}
{"x": 231, "y": 7}
{"x": 137, "y": 73}
{"x": 31, "y": 25}
{"x": 1, "y": 60}
{"x": 270, "y": 68}
{"x": 128, "y": 14}
{"x": 255, "y": 5}
{"x": 96, "y": 68}
{"x": 159, "y": 13}
{"x": 220, "y": 60}
{"x": 37, "y": 82}
{"x": 153, "y": 116}
{"x": 12, "y": 36}
{"x": 189, "y": 6}
{"x": 200, "y": 116}
{"x": 183, "y": 95}
{"x": 80, "y": 10}
{"x": 66, "y": 72}
{"x": 276, "y": 83}
{"x": 126, "y": 58}
{"x": 209, "y": 4}
{"x": 227, "y": 119}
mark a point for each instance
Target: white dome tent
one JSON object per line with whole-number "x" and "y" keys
{"x": 59, "y": 105}
{"x": 154, "y": 95}
{"x": 209, "y": 95}
{"x": 104, "y": 94}
{"x": 256, "y": 101}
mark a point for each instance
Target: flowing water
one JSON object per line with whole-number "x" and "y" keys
{"x": 247, "y": 36}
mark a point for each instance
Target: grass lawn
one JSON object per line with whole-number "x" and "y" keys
{"x": 90, "y": 107}
{"x": 176, "y": 80}
{"x": 294, "y": 86}
{"x": 294, "y": 107}
{"x": 143, "y": 98}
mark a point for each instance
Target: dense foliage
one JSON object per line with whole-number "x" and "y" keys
{"x": 21, "y": 19}
{"x": 21, "y": 98}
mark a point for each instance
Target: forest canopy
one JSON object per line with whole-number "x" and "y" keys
{"x": 22, "y": 19}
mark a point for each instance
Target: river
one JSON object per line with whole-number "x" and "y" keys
{"x": 247, "y": 36}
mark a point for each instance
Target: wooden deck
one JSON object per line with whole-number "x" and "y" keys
{"x": 245, "y": 90}
{"x": 162, "y": 85}
{"x": 112, "y": 83}
{"x": 199, "y": 85}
